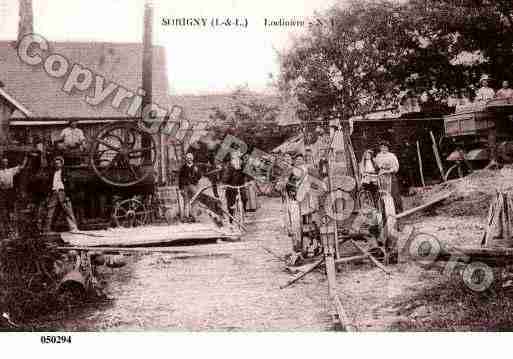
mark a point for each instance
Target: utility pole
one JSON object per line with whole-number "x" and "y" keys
{"x": 26, "y": 19}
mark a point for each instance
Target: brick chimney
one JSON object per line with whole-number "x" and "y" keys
{"x": 26, "y": 24}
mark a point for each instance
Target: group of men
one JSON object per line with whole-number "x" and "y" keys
{"x": 57, "y": 182}
{"x": 200, "y": 162}
{"x": 71, "y": 138}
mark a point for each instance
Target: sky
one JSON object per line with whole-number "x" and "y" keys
{"x": 200, "y": 59}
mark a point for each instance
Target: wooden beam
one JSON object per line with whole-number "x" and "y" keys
{"x": 371, "y": 257}
{"x": 423, "y": 206}
{"x": 437, "y": 155}
{"x": 420, "y": 165}
{"x": 302, "y": 274}
{"x": 342, "y": 315}
{"x": 350, "y": 259}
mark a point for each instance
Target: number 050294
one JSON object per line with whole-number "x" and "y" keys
{"x": 55, "y": 339}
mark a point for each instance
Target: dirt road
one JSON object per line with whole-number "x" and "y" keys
{"x": 215, "y": 287}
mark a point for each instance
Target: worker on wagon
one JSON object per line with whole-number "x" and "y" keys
{"x": 59, "y": 183}
{"x": 485, "y": 93}
{"x": 505, "y": 91}
{"x": 188, "y": 178}
{"x": 388, "y": 165}
{"x": 72, "y": 137}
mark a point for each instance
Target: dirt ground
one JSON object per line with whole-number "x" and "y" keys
{"x": 235, "y": 286}
{"x": 210, "y": 287}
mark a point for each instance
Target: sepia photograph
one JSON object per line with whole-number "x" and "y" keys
{"x": 233, "y": 166}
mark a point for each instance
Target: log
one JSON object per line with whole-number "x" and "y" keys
{"x": 423, "y": 206}
{"x": 420, "y": 166}
{"x": 494, "y": 256}
{"x": 350, "y": 259}
{"x": 302, "y": 274}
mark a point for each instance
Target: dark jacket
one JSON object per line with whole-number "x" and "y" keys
{"x": 188, "y": 175}
{"x": 66, "y": 180}
{"x": 233, "y": 176}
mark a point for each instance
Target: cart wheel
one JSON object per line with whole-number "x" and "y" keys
{"x": 123, "y": 154}
{"x": 130, "y": 213}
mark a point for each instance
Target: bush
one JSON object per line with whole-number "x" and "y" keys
{"x": 27, "y": 280}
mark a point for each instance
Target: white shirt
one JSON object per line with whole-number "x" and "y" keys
{"x": 485, "y": 94}
{"x": 387, "y": 161}
{"x": 72, "y": 136}
{"x": 7, "y": 177}
{"x": 57, "y": 181}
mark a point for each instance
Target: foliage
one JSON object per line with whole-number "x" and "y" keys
{"x": 363, "y": 55}
{"x": 250, "y": 119}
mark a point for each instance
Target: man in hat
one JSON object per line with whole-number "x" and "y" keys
{"x": 58, "y": 181}
{"x": 485, "y": 93}
{"x": 188, "y": 179}
{"x": 72, "y": 137}
{"x": 388, "y": 164}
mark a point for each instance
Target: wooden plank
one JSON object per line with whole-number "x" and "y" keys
{"x": 147, "y": 235}
{"x": 420, "y": 165}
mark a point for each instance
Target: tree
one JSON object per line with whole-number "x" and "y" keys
{"x": 364, "y": 54}
{"x": 251, "y": 118}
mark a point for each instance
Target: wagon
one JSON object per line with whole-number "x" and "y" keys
{"x": 477, "y": 129}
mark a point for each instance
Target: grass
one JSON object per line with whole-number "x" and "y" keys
{"x": 451, "y": 306}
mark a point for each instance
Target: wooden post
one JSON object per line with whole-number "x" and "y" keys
{"x": 420, "y": 165}
{"x": 437, "y": 155}
{"x": 147, "y": 70}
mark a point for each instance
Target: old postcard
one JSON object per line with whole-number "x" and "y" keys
{"x": 291, "y": 166}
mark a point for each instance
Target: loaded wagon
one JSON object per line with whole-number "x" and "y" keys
{"x": 481, "y": 132}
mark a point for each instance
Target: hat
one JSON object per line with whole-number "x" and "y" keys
{"x": 59, "y": 158}
{"x": 484, "y": 77}
{"x": 71, "y": 120}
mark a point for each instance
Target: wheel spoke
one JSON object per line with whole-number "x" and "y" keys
{"x": 106, "y": 144}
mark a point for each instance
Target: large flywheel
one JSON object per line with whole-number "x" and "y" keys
{"x": 123, "y": 155}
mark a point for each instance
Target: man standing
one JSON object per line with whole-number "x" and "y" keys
{"x": 72, "y": 137}
{"x": 57, "y": 197}
{"x": 485, "y": 93}
{"x": 388, "y": 165}
{"x": 188, "y": 179}
{"x": 204, "y": 152}
{"x": 234, "y": 176}
{"x": 7, "y": 192}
